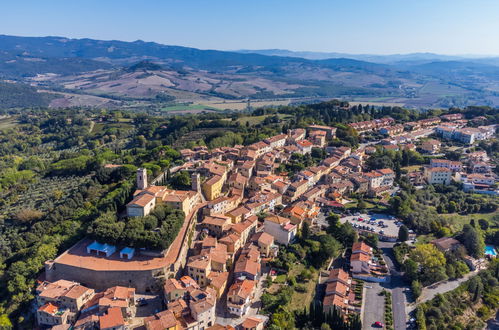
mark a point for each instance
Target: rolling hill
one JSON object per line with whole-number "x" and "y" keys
{"x": 151, "y": 73}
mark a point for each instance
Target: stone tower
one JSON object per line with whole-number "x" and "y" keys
{"x": 141, "y": 178}
{"x": 196, "y": 182}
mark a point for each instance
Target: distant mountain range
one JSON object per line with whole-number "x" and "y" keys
{"x": 117, "y": 73}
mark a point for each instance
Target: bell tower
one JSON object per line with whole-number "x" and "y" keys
{"x": 141, "y": 178}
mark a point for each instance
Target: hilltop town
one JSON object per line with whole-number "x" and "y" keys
{"x": 246, "y": 208}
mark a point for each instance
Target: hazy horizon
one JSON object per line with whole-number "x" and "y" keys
{"x": 384, "y": 27}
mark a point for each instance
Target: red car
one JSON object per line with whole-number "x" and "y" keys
{"x": 378, "y": 324}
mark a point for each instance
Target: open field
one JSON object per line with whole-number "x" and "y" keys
{"x": 299, "y": 299}
{"x": 8, "y": 122}
{"x": 436, "y": 88}
{"x": 413, "y": 168}
{"x": 243, "y": 105}
{"x": 188, "y": 108}
{"x": 458, "y": 220}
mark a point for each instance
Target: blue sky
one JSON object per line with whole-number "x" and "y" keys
{"x": 352, "y": 26}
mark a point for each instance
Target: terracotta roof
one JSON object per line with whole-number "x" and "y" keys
{"x": 142, "y": 200}
{"x": 361, "y": 246}
{"x": 264, "y": 238}
{"x": 334, "y": 300}
{"x": 242, "y": 289}
{"x": 277, "y": 219}
{"x": 216, "y": 221}
{"x": 338, "y": 274}
{"x": 304, "y": 143}
{"x": 359, "y": 257}
{"x": 49, "y": 308}
{"x": 162, "y": 320}
{"x": 214, "y": 179}
{"x": 172, "y": 284}
{"x": 217, "y": 326}
{"x": 218, "y": 279}
{"x": 77, "y": 291}
{"x": 336, "y": 287}
{"x": 386, "y": 171}
{"x": 199, "y": 262}
{"x": 113, "y": 318}
{"x": 251, "y": 322}
{"x": 230, "y": 239}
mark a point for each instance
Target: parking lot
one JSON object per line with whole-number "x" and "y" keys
{"x": 377, "y": 223}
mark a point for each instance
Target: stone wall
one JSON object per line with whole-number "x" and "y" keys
{"x": 142, "y": 280}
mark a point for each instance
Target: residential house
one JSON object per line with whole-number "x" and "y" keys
{"x": 212, "y": 188}
{"x": 392, "y": 130}
{"x": 253, "y": 323}
{"x": 452, "y": 165}
{"x": 431, "y": 146}
{"x": 112, "y": 320}
{"x": 164, "y": 320}
{"x": 265, "y": 243}
{"x": 66, "y": 294}
{"x": 280, "y": 228}
{"x": 277, "y": 141}
{"x": 304, "y": 147}
{"x": 438, "y": 175}
{"x": 51, "y": 314}
{"x": 239, "y": 297}
{"x": 217, "y": 224}
{"x": 360, "y": 260}
{"x": 247, "y": 264}
{"x": 446, "y": 244}
{"x": 330, "y": 131}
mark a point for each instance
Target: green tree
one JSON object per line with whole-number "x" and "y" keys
{"x": 473, "y": 241}
{"x": 305, "y": 231}
{"x": 417, "y": 288}
{"x": 403, "y": 233}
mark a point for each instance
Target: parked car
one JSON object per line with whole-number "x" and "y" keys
{"x": 142, "y": 302}
{"x": 378, "y": 324}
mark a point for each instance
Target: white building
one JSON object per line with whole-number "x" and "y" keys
{"x": 280, "y": 228}
{"x": 438, "y": 175}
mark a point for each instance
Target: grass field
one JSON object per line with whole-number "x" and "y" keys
{"x": 413, "y": 168}
{"x": 302, "y": 299}
{"x": 188, "y": 108}
{"x": 440, "y": 89}
{"x": 458, "y": 220}
{"x": 8, "y": 123}
{"x": 242, "y": 105}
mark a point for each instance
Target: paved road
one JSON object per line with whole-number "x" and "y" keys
{"x": 398, "y": 286}
{"x": 374, "y": 305}
{"x": 430, "y": 292}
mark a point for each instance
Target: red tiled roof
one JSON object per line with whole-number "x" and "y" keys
{"x": 113, "y": 318}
